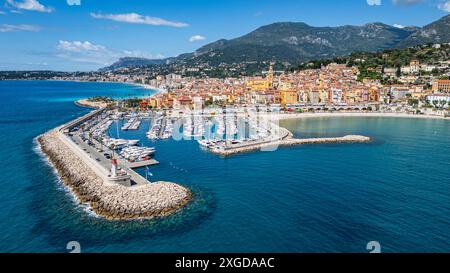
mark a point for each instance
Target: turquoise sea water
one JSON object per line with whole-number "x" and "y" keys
{"x": 316, "y": 198}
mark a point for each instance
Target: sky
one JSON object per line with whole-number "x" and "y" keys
{"x": 84, "y": 35}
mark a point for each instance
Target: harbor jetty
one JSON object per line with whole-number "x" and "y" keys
{"x": 286, "y": 140}
{"x": 106, "y": 196}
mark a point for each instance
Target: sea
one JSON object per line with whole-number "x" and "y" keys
{"x": 312, "y": 198}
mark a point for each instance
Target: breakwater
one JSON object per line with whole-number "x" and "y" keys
{"x": 108, "y": 200}
{"x": 287, "y": 140}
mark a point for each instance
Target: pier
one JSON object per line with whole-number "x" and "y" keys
{"x": 284, "y": 138}
{"x": 132, "y": 124}
{"x": 268, "y": 145}
{"x": 160, "y": 129}
{"x": 102, "y": 184}
{"x": 139, "y": 164}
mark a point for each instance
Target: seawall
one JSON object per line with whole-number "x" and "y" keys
{"x": 289, "y": 141}
{"x": 108, "y": 200}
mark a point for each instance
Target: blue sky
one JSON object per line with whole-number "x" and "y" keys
{"x": 85, "y": 35}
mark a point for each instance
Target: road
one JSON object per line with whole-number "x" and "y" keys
{"x": 136, "y": 178}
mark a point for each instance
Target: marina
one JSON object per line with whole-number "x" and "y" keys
{"x": 132, "y": 124}
{"x": 223, "y": 134}
{"x": 161, "y": 128}
{"x": 108, "y": 182}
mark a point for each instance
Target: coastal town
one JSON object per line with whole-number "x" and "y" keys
{"x": 414, "y": 88}
{"x": 224, "y": 135}
{"x": 330, "y": 88}
{"x": 225, "y": 116}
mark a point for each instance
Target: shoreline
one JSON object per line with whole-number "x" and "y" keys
{"x": 288, "y": 140}
{"x": 99, "y": 105}
{"x": 353, "y": 114}
{"x": 93, "y": 105}
{"x": 107, "y": 200}
{"x": 90, "y": 104}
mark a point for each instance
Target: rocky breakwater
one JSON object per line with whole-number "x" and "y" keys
{"x": 348, "y": 138}
{"x": 108, "y": 200}
{"x": 288, "y": 140}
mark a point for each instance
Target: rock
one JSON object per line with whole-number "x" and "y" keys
{"x": 112, "y": 202}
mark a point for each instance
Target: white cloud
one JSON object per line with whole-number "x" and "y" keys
{"x": 11, "y": 28}
{"x": 88, "y": 52}
{"x": 374, "y": 2}
{"x": 77, "y": 46}
{"x": 38, "y": 64}
{"x": 74, "y": 2}
{"x": 399, "y": 26}
{"x": 2, "y": 12}
{"x": 85, "y": 52}
{"x": 445, "y": 6}
{"x": 196, "y": 38}
{"x": 135, "y": 18}
{"x": 140, "y": 54}
{"x": 30, "y": 5}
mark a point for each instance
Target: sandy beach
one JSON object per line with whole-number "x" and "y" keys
{"x": 91, "y": 104}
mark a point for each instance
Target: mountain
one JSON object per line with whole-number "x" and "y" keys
{"x": 298, "y": 42}
{"x": 132, "y": 62}
{"x": 293, "y": 43}
{"x": 436, "y": 32}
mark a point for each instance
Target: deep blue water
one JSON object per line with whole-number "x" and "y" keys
{"x": 317, "y": 198}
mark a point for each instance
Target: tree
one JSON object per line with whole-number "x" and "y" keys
{"x": 208, "y": 102}
{"x": 413, "y": 102}
{"x": 131, "y": 103}
{"x": 435, "y": 103}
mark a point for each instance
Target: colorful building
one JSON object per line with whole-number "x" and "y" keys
{"x": 288, "y": 97}
{"x": 442, "y": 86}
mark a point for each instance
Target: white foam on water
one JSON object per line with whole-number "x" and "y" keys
{"x": 61, "y": 186}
